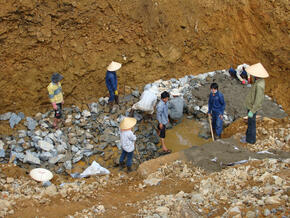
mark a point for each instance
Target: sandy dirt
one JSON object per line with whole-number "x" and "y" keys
{"x": 159, "y": 39}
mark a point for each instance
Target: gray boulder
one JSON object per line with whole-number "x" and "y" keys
{"x": 30, "y": 158}
{"x": 94, "y": 107}
{"x": 30, "y": 123}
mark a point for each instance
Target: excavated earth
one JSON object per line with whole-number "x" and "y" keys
{"x": 159, "y": 39}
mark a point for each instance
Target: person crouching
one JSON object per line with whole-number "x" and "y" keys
{"x": 127, "y": 142}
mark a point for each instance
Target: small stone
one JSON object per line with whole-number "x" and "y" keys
{"x": 45, "y": 145}
{"x": 267, "y": 212}
{"x": 273, "y": 200}
{"x": 68, "y": 165}
{"x": 5, "y": 116}
{"x": 152, "y": 181}
{"x": 94, "y": 107}
{"x": 29, "y": 158}
{"x": 30, "y": 123}
{"x": 9, "y": 180}
{"x": 86, "y": 114}
{"x": 163, "y": 211}
{"x": 251, "y": 214}
{"x": 234, "y": 211}
{"x": 50, "y": 190}
{"x": 2, "y": 153}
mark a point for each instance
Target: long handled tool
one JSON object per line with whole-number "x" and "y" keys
{"x": 210, "y": 125}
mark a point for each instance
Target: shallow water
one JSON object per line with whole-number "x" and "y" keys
{"x": 184, "y": 135}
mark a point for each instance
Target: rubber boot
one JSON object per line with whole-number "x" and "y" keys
{"x": 129, "y": 169}
{"x": 122, "y": 165}
{"x": 116, "y": 99}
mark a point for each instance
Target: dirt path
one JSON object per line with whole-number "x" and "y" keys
{"x": 116, "y": 200}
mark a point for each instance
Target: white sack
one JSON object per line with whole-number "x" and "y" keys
{"x": 147, "y": 102}
{"x": 94, "y": 169}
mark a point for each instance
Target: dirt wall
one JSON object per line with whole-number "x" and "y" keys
{"x": 153, "y": 39}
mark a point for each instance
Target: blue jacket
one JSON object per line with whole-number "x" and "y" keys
{"x": 216, "y": 103}
{"x": 111, "y": 81}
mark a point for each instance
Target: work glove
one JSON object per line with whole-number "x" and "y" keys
{"x": 244, "y": 82}
{"x": 116, "y": 92}
{"x": 54, "y": 106}
{"x": 250, "y": 114}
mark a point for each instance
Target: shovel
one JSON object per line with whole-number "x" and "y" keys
{"x": 210, "y": 125}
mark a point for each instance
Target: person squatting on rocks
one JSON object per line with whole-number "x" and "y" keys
{"x": 216, "y": 108}
{"x": 162, "y": 117}
{"x": 176, "y": 106}
{"x": 254, "y": 100}
{"x": 127, "y": 139}
{"x": 240, "y": 73}
{"x": 56, "y": 96}
{"x": 112, "y": 82}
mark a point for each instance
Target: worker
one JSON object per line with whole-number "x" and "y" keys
{"x": 127, "y": 139}
{"x": 176, "y": 106}
{"x": 254, "y": 100}
{"x": 56, "y": 97}
{"x": 112, "y": 82}
{"x": 162, "y": 117}
{"x": 240, "y": 73}
{"x": 216, "y": 108}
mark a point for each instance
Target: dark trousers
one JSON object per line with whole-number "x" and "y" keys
{"x": 251, "y": 131}
{"x": 112, "y": 96}
{"x": 129, "y": 157}
{"x": 217, "y": 123}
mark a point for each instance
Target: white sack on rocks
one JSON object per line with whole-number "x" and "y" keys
{"x": 147, "y": 102}
{"x": 94, "y": 169}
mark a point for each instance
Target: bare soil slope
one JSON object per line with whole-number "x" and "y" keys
{"x": 153, "y": 39}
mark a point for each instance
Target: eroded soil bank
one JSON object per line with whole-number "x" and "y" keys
{"x": 160, "y": 39}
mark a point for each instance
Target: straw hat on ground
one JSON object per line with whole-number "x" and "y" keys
{"x": 175, "y": 92}
{"x": 127, "y": 123}
{"x": 114, "y": 66}
{"x": 41, "y": 174}
{"x": 257, "y": 70}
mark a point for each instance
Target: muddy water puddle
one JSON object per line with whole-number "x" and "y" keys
{"x": 184, "y": 135}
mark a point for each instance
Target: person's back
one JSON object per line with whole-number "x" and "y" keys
{"x": 175, "y": 107}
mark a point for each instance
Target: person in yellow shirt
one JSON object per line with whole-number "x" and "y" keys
{"x": 56, "y": 97}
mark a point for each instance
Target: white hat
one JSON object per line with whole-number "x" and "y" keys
{"x": 175, "y": 92}
{"x": 41, "y": 174}
{"x": 114, "y": 66}
{"x": 127, "y": 123}
{"x": 257, "y": 70}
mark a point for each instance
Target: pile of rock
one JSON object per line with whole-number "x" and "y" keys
{"x": 275, "y": 138}
{"x": 96, "y": 131}
{"x": 250, "y": 190}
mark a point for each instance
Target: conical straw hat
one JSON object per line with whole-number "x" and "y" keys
{"x": 114, "y": 66}
{"x": 175, "y": 92}
{"x": 257, "y": 70}
{"x": 127, "y": 123}
{"x": 41, "y": 174}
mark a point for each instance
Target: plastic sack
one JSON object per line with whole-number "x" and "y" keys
{"x": 147, "y": 102}
{"x": 94, "y": 169}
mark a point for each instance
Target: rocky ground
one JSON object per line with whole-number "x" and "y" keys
{"x": 258, "y": 188}
{"x": 194, "y": 188}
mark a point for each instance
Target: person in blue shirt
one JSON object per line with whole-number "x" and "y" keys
{"x": 112, "y": 82}
{"x": 216, "y": 108}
